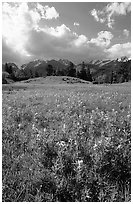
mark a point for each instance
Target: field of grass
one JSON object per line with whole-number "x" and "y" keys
{"x": 66, "y": 142}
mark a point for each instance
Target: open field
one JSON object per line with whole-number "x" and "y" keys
{"x": 66, "y": 142}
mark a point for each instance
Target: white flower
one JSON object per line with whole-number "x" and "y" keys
{"x": 79, "y": 163}
{"x": 64, "y": 128}
{"x": 78, "y": 123}
{"x": 119, "y": 146}
{"x": 95, "y": 146}
{"x": 20, "y": 125}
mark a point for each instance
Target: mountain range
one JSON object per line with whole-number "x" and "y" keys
{"x": 38, "y": 68}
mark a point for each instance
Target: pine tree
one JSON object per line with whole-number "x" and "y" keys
{"x": 31, "y": 74}
{"x": 36, "y": 74}
{"x": 88, "y": 74}
{"x": 49, "y": 70}
{"x": 8, "y": 68}
{"x": 111, "y": 78}
{"x": 71, "y": 71}
{"x": 83, "y": 72}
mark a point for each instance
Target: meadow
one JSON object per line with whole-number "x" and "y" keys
{"x": 66, "y": 142}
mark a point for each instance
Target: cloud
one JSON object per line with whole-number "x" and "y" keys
{"x": 119, "y": 50}
{"x": 18, "y": 21}
{"x": 126, "y": 32}
{"x": 118, "y": 8}
{"x": 94, "y": 13}
{"x": 47, "y": 12}
{"x": 80, "y": 40}
{"x": 10, "y": 55}
{"x": 103, "y": 39}
{"x": 76, "y": 24}
{"x": 61, "y": 42}
{"x": 23, "y": 39}
{"x": 59, "y": 31}
{"x": 108, "y": 13}
{"x": 16, "y": 26}
{"x": 54, "y": 42}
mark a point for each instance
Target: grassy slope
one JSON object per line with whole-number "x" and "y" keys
{"x": 68, "y": 142}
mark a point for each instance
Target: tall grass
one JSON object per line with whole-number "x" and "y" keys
{"x": 67, "y": 144}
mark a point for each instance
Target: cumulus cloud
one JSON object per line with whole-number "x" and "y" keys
{"x": 59, "y": 31}
{"x": 126, "y": 32}
{"x": 118, "y": 50}
{"x": 108, "y": 13}
{"x": 61, "y": 42}
{"x": 10, "y": 55}
{"x": 103, "y": 39}
{"x": 15, "y": 26}
{"x": 94, "y": 13}
{"x": 118, "y": 8}
{"x": 23, "y": 39}
{"x": 18, "y": 21}
{"x": 49, "y": 38}
{"x": 80, "y": 40}
{"x": 47, "y": 12}
{"x": 76, "y": 24}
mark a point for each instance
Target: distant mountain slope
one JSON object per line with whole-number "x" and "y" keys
{"x": 109, "y": 71}
{"x": 38, "y": 67}
{"x": 105, "y": 69}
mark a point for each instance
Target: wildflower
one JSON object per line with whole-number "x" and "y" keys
{"x": 78, "y": 123}
{"x": 20, "y": 125}
{"x": 61, "y": 143}
{"x": 64, "y": 128}
{"x": 119, "y": 146}
{"x": 95, "y": 146}
{"x": 79, "y": 163}
{"x": 128, "y": 116}
{"x": 38, "y": 136}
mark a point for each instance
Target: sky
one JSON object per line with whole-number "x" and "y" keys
{"x": 77, "y": 31}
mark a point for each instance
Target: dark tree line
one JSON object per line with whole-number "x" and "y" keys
{"x": 122, "y": 74}
{"x": 83, "y": 73}
{"x": 112, "y": 74}
{"x": 9, "y": 69}
{"x": 118, "y": 74}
